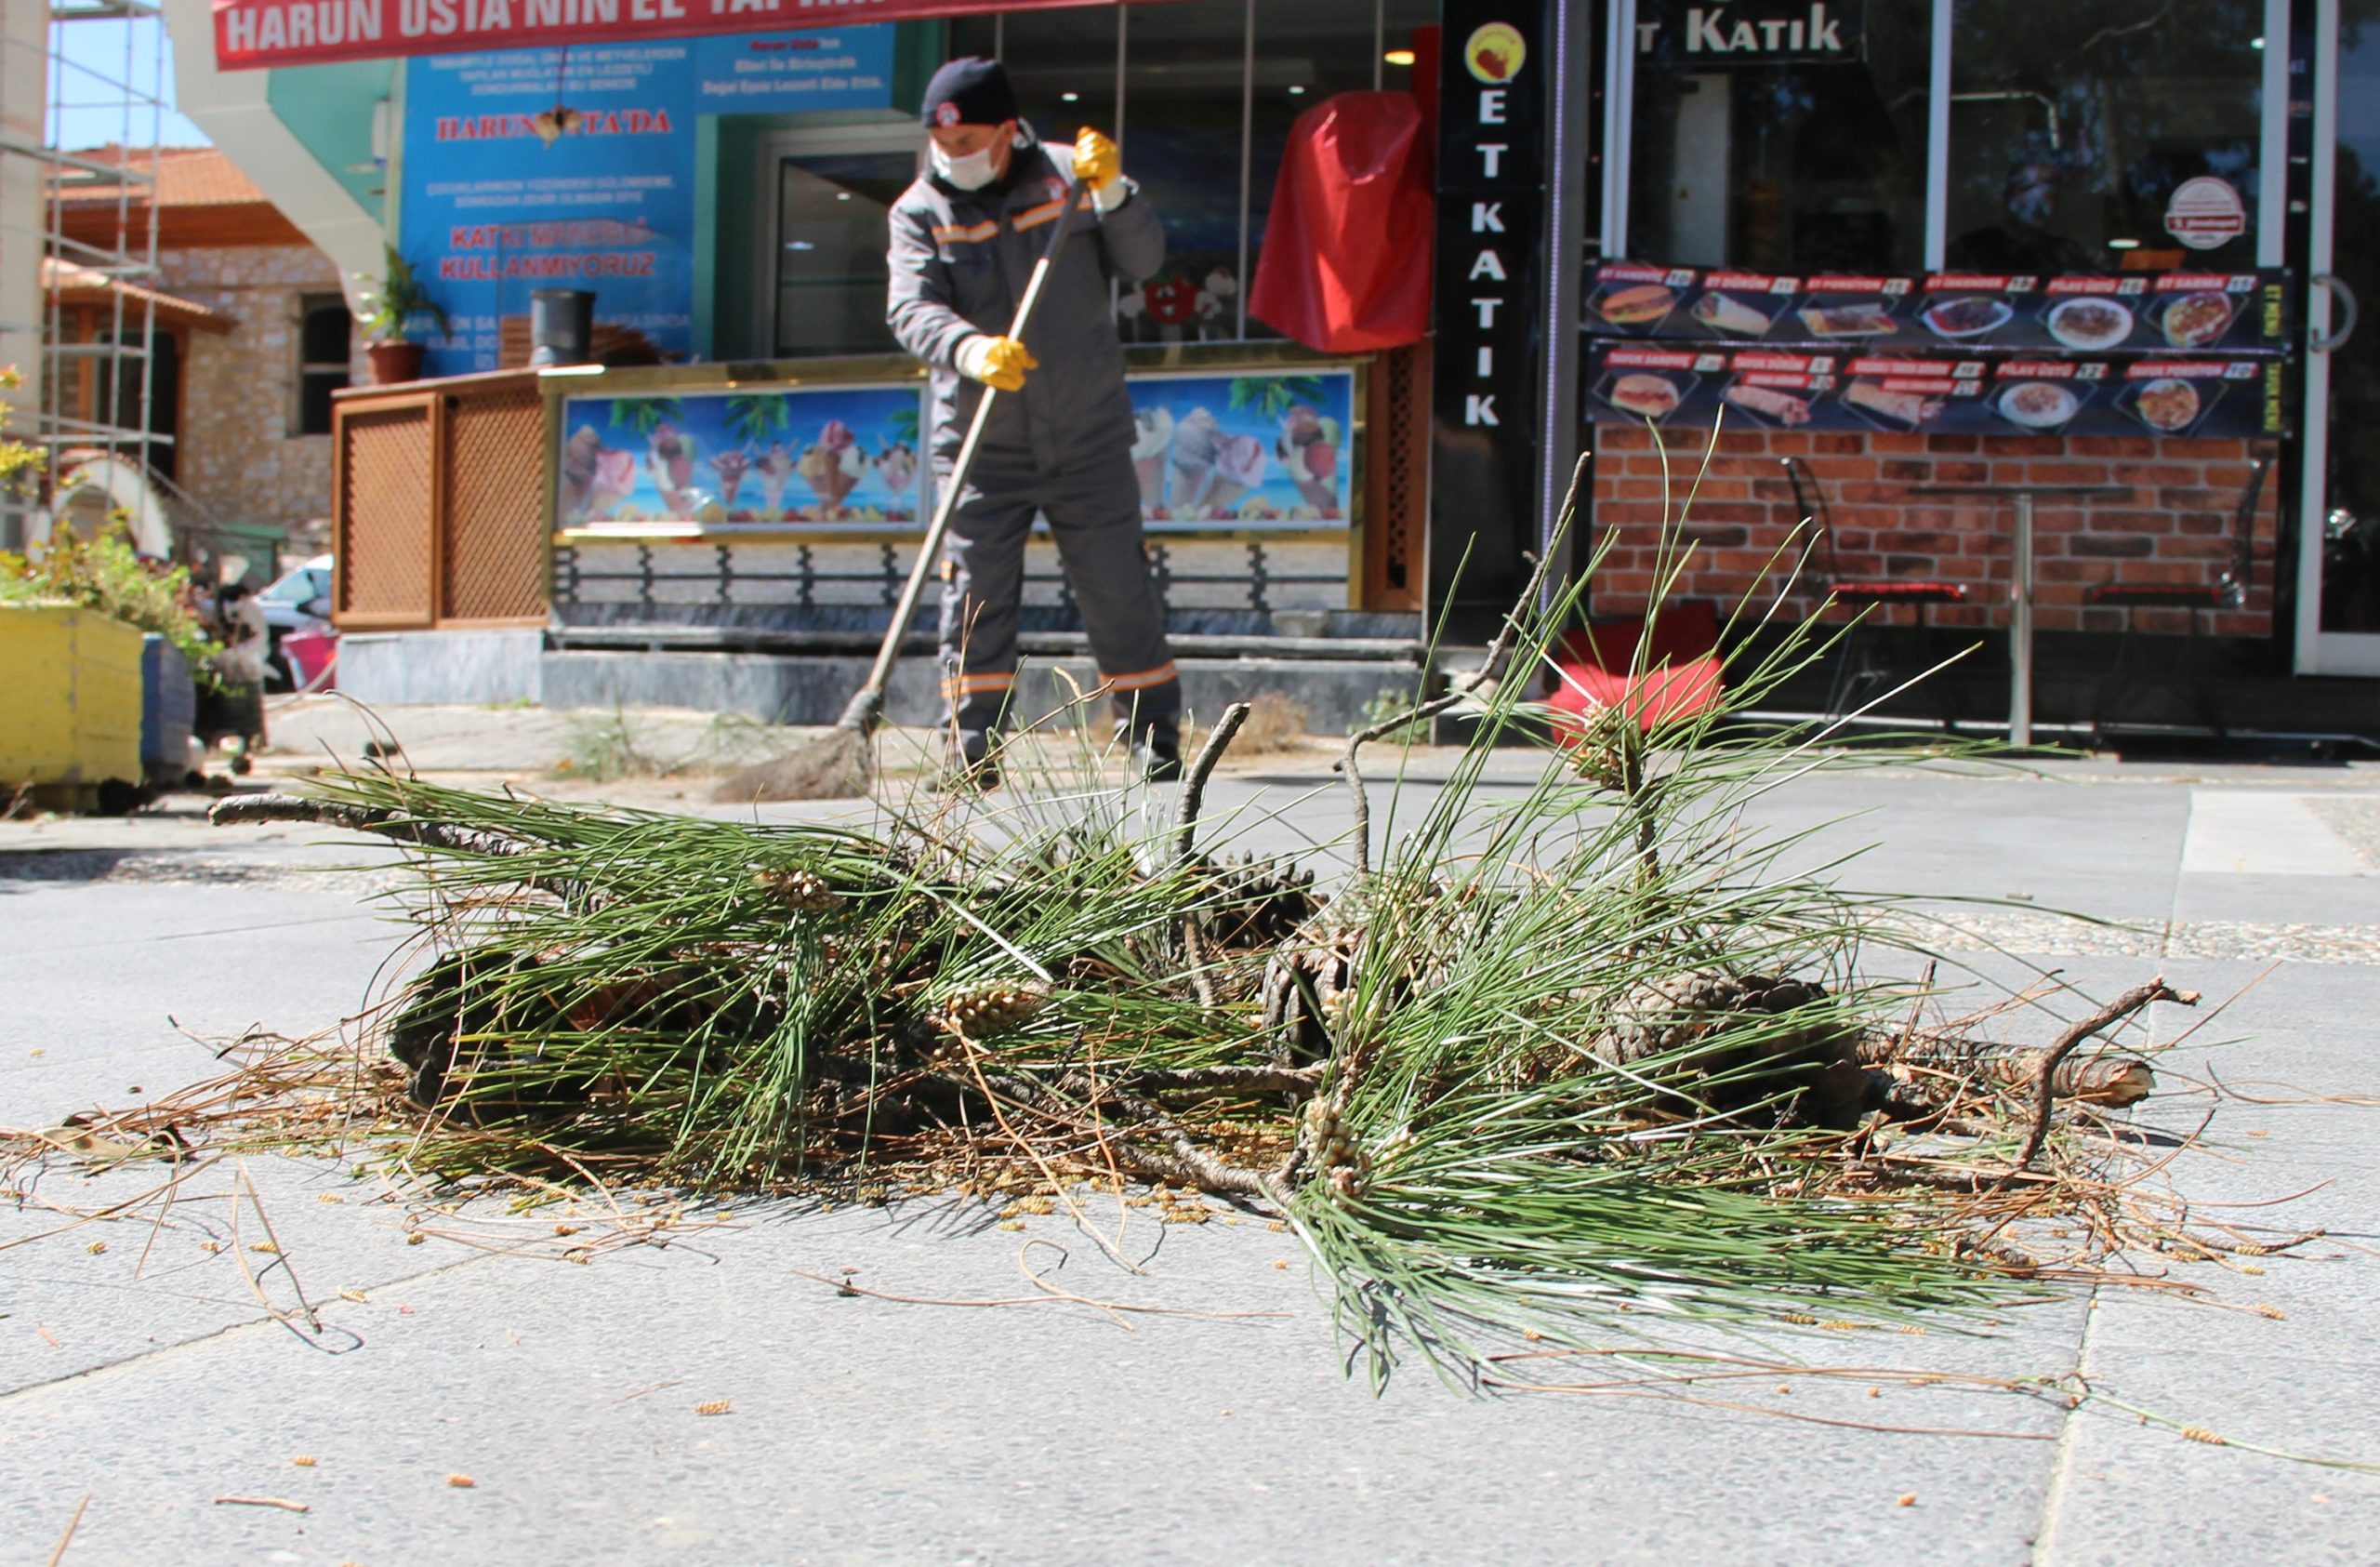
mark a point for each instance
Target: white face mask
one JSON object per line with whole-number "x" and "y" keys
{"x": 972, "y": 172}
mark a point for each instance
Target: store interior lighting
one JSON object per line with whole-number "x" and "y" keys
{"x": 1398, "y": 57}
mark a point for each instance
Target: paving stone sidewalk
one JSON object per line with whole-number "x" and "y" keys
{"x": 155, "y": 1373}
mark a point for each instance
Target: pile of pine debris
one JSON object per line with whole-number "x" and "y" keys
{"x": 1588, "y": 1047}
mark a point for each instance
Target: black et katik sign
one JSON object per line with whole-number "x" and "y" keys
{"x": 1489, "y": 304}
{"x": 1714, "y": 34}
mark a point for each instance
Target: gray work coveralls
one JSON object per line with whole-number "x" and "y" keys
{"x": 1063, "y": 446}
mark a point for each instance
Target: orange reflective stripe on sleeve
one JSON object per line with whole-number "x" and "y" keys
{"x": 974, "y": 234}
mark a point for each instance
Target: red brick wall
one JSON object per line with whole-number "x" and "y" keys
{"x": 2177, "y": 526}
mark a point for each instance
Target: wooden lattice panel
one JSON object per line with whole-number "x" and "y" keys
{"x": 386, "y": 546}
{"x": 1397, "y": 465}
{"x": 494, "y": 555}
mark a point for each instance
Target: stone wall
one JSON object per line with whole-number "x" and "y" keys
{"x": 2176, "y": 526}
{"x": 238, "y": 455}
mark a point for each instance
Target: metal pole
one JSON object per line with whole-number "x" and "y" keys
{"x": 2020, "y": 626}
{"x": 1938, "y": 139}
{"x": 1565, "y": 255}
{"x": 1247, "y": 153}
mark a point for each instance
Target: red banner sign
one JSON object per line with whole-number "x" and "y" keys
{"x": 254, "y": 34}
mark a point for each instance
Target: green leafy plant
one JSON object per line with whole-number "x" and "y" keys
{"x": 104, "y": 573}
{"x": 393, "y": 300}
{"x": 903, "y": 423}
{"x": 1390, "y": 707}
{"x": 19, "y": 461}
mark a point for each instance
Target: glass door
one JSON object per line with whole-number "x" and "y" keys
{"x": 2338, "y": 563}
{"x": 831, "y": 193}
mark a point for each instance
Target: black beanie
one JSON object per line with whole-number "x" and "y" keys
{"x": 969, "y": 92}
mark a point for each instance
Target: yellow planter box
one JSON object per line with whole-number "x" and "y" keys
{"x": 70, "y": 696}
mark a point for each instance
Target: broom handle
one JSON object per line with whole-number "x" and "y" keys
{"x": 867, "y": 704}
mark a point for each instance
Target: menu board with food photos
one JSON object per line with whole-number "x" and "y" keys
{"x": 1904, "y": 392}
{"x": 2142, "y": 313}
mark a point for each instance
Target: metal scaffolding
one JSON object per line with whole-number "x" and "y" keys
{"x": 94, "y": 394}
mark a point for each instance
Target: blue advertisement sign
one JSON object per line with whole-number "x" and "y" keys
{"x": 554, "y": 168}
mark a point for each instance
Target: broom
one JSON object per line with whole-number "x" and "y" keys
{"x": 840, "y": 764}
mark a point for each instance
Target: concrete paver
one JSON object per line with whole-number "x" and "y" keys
{"x": 862, "y": 1430}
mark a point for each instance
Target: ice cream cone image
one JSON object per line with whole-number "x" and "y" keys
{"x": 1191, "y": 461}
{"x": 1152, "y": 434}
{"x": 669, "y": 459}
{"x": 1308, "y": 451}
{"x": 1239, "y": 468}
{"x": 832, "y": 468}
{"x": 731, "y": 468}
{"x": 595, "y": 478}
{"x": 777, "y": 472}
{"x": 897, "y": 466}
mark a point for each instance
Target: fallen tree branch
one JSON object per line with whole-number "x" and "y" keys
{"x": 1194, "y": 782}
{"x": 2116, "y": 1010}
{"x": 1300, "y": 1082}
{"x": 1194, "y": 795}
{"x": 248, "y": 809}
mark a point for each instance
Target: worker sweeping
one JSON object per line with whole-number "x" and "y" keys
{"x": 1058, "y": 441}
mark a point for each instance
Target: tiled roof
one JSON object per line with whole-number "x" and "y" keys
{"x": 83, "y": 285}
{"x": 185, "y": 177}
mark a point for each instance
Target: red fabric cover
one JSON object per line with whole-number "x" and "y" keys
{"x": 1681, "y": 676}
{"x": 1345, "y": 265}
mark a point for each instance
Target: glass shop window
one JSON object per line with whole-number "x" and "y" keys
{"x": 324, "y": 328}
{"x": 2103, "y": 134}
{"x": 1779, "y": 153}
{"x": 1202, "y": 132}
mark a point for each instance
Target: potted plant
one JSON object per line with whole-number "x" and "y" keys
{"x": 390, "y": 304}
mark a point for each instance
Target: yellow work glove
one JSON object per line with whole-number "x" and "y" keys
{"x": 999, "y": 362}
{"x": 1098, "y": 162}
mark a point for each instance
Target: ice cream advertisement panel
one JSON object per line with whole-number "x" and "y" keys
{"x": 1242, "y": 450}
{"x": 846, "y": 453}
{"x": 1247, "y": 448}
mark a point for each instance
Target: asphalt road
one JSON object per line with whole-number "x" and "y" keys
{"x": 149, "y": 1371}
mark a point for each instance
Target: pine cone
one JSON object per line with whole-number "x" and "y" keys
{"x": 1263, "y": 902}
{"x": 986, "y": 1010}
{"x": 799, "y": 890}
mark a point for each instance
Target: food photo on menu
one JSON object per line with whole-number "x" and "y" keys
{"x": 1729, "y": 316}
{"x": 2039, "y": 405}
{"x": 1634, "y": 304}
{"x": 1888, "y": 409}
{"x": 2194, "y": 320}
{"x": 1648, "y": 394}
{"x": 2089, "y": 323}
{"x": 1832, "y": 322}
{"x": 1959, "y": 317}
{"x": 1768, "y": 404}
{"x": 2168, "y": 405}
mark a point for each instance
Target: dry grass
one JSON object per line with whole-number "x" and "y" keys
{"x": 1277, "y": 725}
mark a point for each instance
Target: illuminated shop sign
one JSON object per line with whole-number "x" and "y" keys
{"x": 1714, "y": 34}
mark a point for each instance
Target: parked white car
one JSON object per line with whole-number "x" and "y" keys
{"x": 298, "y": 596}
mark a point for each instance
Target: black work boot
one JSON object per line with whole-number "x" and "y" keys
{"x": 971, "y": 765}
{"x": 1156, "y": 756}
